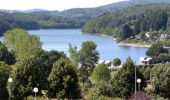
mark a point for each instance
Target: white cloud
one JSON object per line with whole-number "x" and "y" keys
{"x": 52, "y": 4}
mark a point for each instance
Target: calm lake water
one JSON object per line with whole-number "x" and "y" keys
{"x": 59, "y": 39}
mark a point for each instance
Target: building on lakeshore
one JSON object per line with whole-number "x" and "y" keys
{"x": 145, "y": 60}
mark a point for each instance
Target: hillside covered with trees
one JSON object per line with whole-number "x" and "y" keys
{"x": 90, "y": 13}
{"x": 134, "y": 24}
{"x": 34, "y": 21}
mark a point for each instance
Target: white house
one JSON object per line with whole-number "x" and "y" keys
{"x": 147, "y": 34}
{"x": 145, "y": 60}
{"x": 164, "y": 36}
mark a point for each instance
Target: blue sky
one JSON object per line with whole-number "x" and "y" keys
{"x": 52, "y": 4}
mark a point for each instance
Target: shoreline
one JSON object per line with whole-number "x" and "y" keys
{"x": 125, "y": 43}
{"x": 134, "y": 44}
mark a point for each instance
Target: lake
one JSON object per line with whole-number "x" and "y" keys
{"x": 59, "y": 39}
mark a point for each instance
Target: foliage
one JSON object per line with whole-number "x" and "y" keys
{"x": 124, "y": 32}
{"x": 46, "y": 60}
{"x": 35, "y": 21}
{"x": 88, "y": 57}
{"x": 131, "y": 23}
{"x": 74, "y": 55}
{"x": 116, "y": 62}
{"x": 145, "y": 70}
{"x": 102, "y": 88}
{"x": 88, "y": 54}
{"x": 26, "y": 74}
{"x": 155, "y": 50}
{"x": 4, "y": 75}
{"x": 100, "y": 73}
{"x": 22, "y": 43}
{"x": 124, "y": 80}
{"x": 6, "y": 56}
{"x": 63, "y": 81}
{"x": 160, "y": 79}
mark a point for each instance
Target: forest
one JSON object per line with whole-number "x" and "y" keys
{"x": 132, "y": 24}
{"x": 34, "y": 21}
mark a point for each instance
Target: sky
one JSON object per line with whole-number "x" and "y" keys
{"x": 52, "y": 4}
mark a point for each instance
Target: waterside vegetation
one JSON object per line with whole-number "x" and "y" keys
{"x": 134, "y": 24}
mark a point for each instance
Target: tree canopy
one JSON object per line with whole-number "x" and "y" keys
{"x": 156, "y": 49}
{"x": 63, "y": 81}
{"x": 35, "y": 21}
{"x": 116, "y": 62}
{"x": 100, "y": 73}
{"x": 6, "y": 56}
{"x": 130, "y": 24}
{"x": 4, "y": 75}
{"x": 22, "y": 43}
{"x": 124, "y": 81}
{"x": 26, "y": 74}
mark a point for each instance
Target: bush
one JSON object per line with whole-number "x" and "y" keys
{"x": 116, "y": 62}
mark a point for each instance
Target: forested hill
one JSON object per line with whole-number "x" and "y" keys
{"x": 34, "y": 21}
{"x": 132, "y": 22}
{"x": 89, "y": 13}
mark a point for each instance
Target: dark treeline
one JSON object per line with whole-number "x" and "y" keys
{"x": 131, "y": 22}
{"x": 32, "y": 21}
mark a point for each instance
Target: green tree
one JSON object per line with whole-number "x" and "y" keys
{"x": 100, "y": 72}
{"x": 116, "y": 62}
{"x": 26, "y": 74}
{"x": 100, "y": 78}
{"x": 125, "y": 32}
{"x": 74, "y": 55}
{"x": 22, "y": 43}
{"x": 46, "y": 59}
{"x": 6, "y": 56}
{"x": 156, "y": 49}
{"x": 160, "y": 79}
{"x": 137, "y": 28}
{"x": 124, "y": 80}
{"x": 4, "y": 75}
{"x": 63, "y": 81}
{"x": 88, "y": 57}
{"x": 54, "y": 55}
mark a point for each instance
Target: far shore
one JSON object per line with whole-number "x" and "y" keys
{"x": 125, "y": 43}
{"x": 133, "y": 44}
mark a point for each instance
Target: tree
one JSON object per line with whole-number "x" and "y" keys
{"x": 54, "y": 55}
{"x": 156, "y": 49}
{"x": 116, "y": 62}
{"x": 137, "y": 28}
{"x": 63, "y": 81}
{"x": 26, "y": 74}
{"x": 6, "y": 56}
{"x": 88, "y": 57}
{"x": 160, "y": 79}
{"x": 4, "y": 75}
{"x": 74, "y": 55}
{"x": 88, "y": 54}
{"x": 22, "y": 43}
{"x": 125, "y": 32}
{"x": 100, "y": 78}
{"x": 46, "y": 60}
{"x": 124, "y": 80}
{"x": 100, "y": 73}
